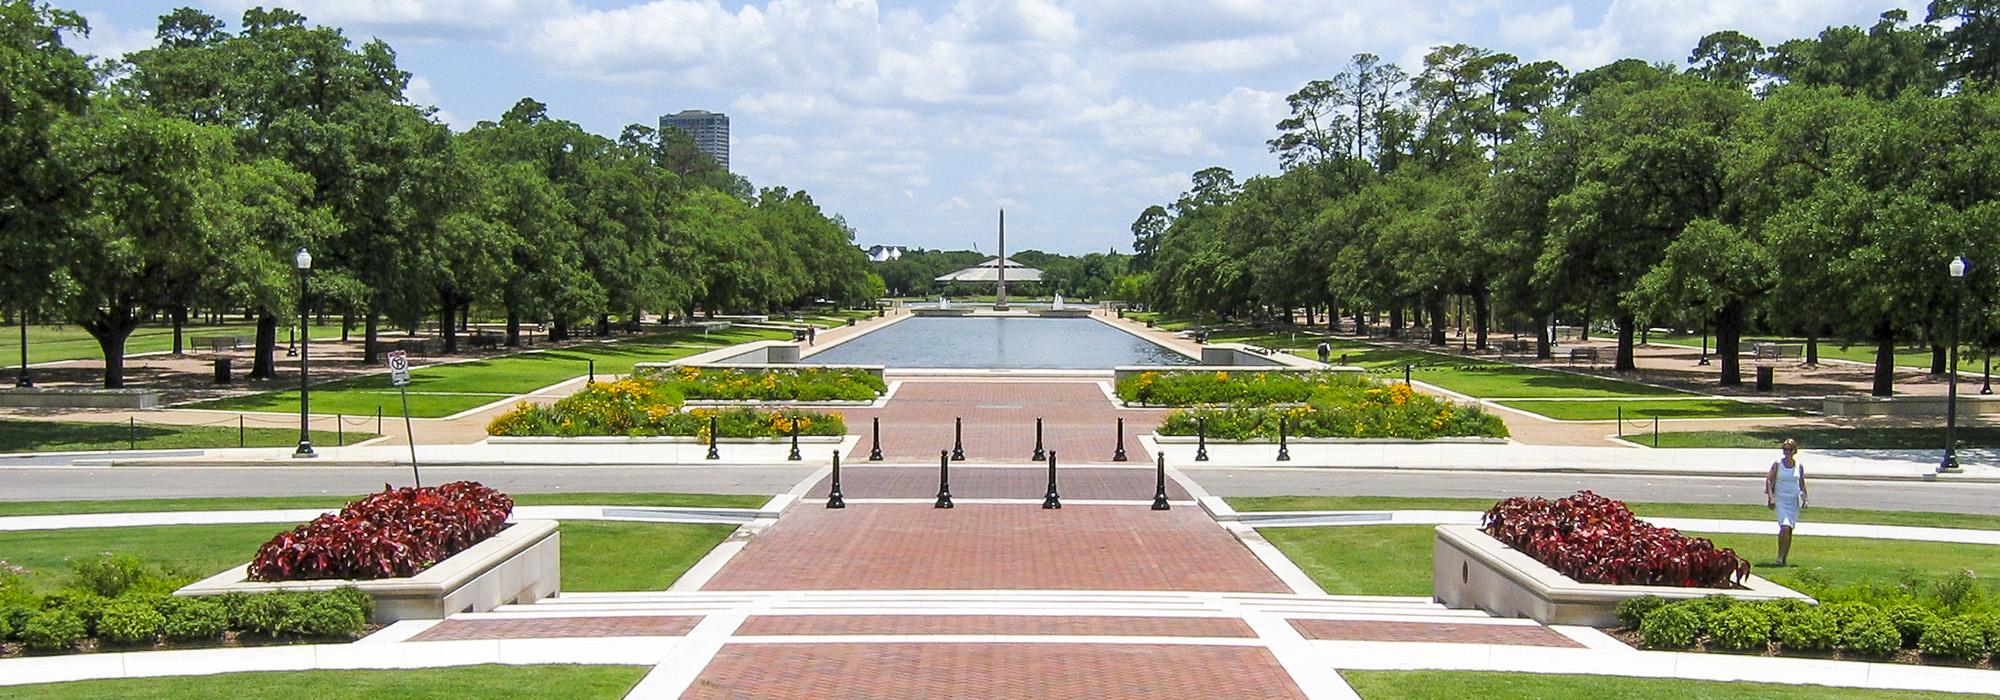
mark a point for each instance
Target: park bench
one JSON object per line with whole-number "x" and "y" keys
{"x": 1769, "y": 352}
{"x": 1516, "y": 346}
{"x": 1587, "y": 354}
{"x": 485, "y": 341}
{"x": 217, "y": 343}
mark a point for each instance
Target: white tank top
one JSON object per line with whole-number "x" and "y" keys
{"x": 1787, "y": 483}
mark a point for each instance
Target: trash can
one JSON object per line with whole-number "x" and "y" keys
{"x": 222, "y": 370}
{"x": 1764, "y": 378}
{"x": 798, "y": 336}
{"x": 850, "y": 322}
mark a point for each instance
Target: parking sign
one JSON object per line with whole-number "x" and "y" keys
{"x": 399, "y": 368}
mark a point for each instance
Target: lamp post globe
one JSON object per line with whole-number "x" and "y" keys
{"x": 1957, "y": 268}
{"x": 302, "y": 261}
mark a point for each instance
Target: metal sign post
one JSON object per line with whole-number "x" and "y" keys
{"x": 399, "y": 375}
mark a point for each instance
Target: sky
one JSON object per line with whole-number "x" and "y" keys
{"x": 918, "y": 121}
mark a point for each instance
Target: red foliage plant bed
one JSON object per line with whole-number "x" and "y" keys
{"x": 395, "y": 533}
{"x": 1594, "y": 539}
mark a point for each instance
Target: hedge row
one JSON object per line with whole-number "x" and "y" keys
{"x": 1728, "y": 624}
{"x": 118, "y": 600}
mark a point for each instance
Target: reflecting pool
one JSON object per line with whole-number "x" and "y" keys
{"x": 999, "y": 342}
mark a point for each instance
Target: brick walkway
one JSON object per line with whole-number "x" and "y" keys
{"x": 793, "y": 625}
{"x": 925, "y": 671}
{"x": 1078, "y": 421}
{"x": 1376, "y": 631}
{"x": 553, "y": 627}
{"x": 893, "y": 547}
{"x": 993, "y": 482}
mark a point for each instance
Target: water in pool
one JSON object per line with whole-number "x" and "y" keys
{"x": 1000, "y": 343}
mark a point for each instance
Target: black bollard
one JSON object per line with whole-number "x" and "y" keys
{"x": 1039, "y": 454}
{"x": 794, "y": 456}
{"x": 944, "y": 480}
{"x": 1160, "y": 485}
{"x": 1284, "y": 450}
{"x": 958, "y": 439}
{"x": 1052, "y": 500}
{"x": 1406, "y": 375}
{"x": 1201, "y": 439}
{"x": 875, "y": 446}
{"x": 713, "y": 435}
{"x": 1119, "y": 456}
{"x": 834, "y": 499}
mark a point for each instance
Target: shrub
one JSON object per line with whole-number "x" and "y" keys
{"x": 1671, "y": 627}
{"x": 109, "y": 575}
{"x": 1869, "y": 631}
{"x": 325, "y": 615}
{"x": 190, "y": 618}
{"x": 1778, "y": 610}
{"x": 1990, "y": 623}
{"x": 1251, "y": 388}
{"x": 1360, "y": 411}
{"x": 393, "y": 533}
{"x": 357, "y": 598}
{"x": 132, "y": 619}
{"x": 1811, "y": 630}
{"x": 54, "y": 629}
{"x": 265, "y": 613}
{"x": 791, "y": 384}
{"x": 1955, "y": 638}
{"x": 1911, "y": 622}
{"x": 87, "y": 606}
{"x": 594, "y": 412}
{"x": 1632, "y": 611}
{"x": 1594, "y": 539}
{"x": 1740, "y": 628}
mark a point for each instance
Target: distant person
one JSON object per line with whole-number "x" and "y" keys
{"x": 1325, "y": 351}
{"x": 1785, "y": 492}
{"x": 812, "y": 334}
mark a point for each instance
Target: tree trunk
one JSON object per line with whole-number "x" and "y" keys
{"x": 110, "y": 330}
{"x": 1626, "y": 326}
{"x": 513, "y": 327}
{"x": 603, "y": 325}
{"x": 448, "y": 327}
{"x": 371, "y": 337}
{"x": 1360, "y": 324}
{"x": 1812, "y": 348}
{"x": 558, "y": 330}
{"x": 263, "y": 358}
{"x": 346, "y": 322}
{"x": 1937, "y": 359}
{"x": 1482, "y": 316}
{"x": 1729, "y": 343}
{"x": 1885, "y": 360}
{"x": 1437, "y": 314}
{"x": 1396, "y": 321}
{"x": 465, "y": 317}
{"x": 1544, "y": 350}
{"x": 1583, "y": 331}
{"x": 180, "y": 321}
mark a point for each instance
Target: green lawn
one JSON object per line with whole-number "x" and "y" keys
{"x": 53, "y": 343}
{"x": 488, "y": 681}
{"x": 1474, "y": 377}
{"x": 149, "y": 505}
{"x": 1396, "y": 559}
{"x": 1453, "y": 685}
{"x": 1712, "y": 511}
{"x": 447, "y": 389}
{"x": 54, "y": 436}
{"x": 1906, "y": 355}
{"x": 1826, "y": 438}
{"x": 596, "y": 555}
{"x": 1642, "y": 409}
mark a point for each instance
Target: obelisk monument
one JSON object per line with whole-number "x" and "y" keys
{"x": 1000, "y": 300}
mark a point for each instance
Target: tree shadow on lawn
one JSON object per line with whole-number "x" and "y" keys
{"x": 16, "y": 435}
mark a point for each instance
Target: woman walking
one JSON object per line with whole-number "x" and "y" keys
{"x": 1785, "y": 492}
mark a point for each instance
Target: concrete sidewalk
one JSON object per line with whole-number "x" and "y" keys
{"x": 578, "y": 452}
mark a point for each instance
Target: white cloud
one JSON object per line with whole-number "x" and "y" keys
{"x": 421, "y": 92}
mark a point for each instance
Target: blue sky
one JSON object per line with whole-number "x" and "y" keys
{"x": 917, "y": 120}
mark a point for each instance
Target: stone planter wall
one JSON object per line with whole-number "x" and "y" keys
{"x": 521, "y": 564}
{"x": 79, "y": 398}
{"x": 1907, "y": 405}
{"x": 1470, "y": 569}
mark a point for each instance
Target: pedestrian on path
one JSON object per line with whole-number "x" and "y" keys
{"x": 812, "y": 334}
{"x": 1325, "y": 351}
{"x": 1785, "y": 492}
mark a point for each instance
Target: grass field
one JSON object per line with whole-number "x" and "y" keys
{"x": 1906, "y": 355}
{"x": 489, "y": 681}
{"x": 1641, "y": 409}
{"x": 1712, "y": 511}
{"x": 1396, "y": 559}
{"x": 54, "y": 436}
{"x": 447, "y": 389}
{"x": 53, "y": 343}
{"x": 1826, "y": 438}
{"x": 1474, "y": 377}
{"x": 1426, "y": 685}
{"x": 596, "y": 556}
{"x": 150, "y": 505}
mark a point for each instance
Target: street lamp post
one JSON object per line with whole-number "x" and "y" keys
{"x": 1950, "y": 461}
{"x": 24, "y": 381}
{"x": 303, "y": 261}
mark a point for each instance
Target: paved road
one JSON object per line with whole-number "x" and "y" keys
{"x": 31, "y": 484}
{"x": 1946, "y": 497}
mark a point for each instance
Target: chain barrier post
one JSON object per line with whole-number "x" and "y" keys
{"x": 794, "y": 456}
{"x": 378, "y": 419}
{"x": 1039, "y": 453}
{"x": 132, "y": 432}
{"x": 1621, "y": 420}
{"x": 1284, "y": 449}
{"x": 958, "y": 439}
{"x": 339, "y": 430}
{"x": 1052, "y": 500}
{"x": 1160, "y": 484}
{"x": 1201, "y": 439}
{"x": 713, "y": 435}
{"x": 593, "y": 372}
{"x": 875, "y": 444}
{"x": 834, "y": 499}
{"x": 944, "y": 480}
{"x": 239, "y": 430}
{"x": 1119, "y": 455}
{"x": 1656, "y": 431}
{"x": 1406, "y": 374}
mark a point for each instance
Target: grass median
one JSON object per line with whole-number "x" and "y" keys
{"x": 151, "y": 505}
{"x": 1711, "y": 511}
{"x": 1646, "y": 410}
{"x": 1819, "y": 438}
{"x": 1466, "y": 375}
{"x": 1404, "y": 685}
{"x": 57, "y": 343}
{"x": 80, "y": 436}
{"x": 485, "y": 681}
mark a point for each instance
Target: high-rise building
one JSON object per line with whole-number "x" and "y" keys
{"x": 710, "y": 131}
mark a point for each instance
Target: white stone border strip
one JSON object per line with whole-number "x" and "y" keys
{"x": 607, "y": 651}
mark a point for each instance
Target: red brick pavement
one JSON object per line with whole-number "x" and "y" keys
{"x": 991, "y": 482}
{"x": 890, "y": 547}
{"x": 1374, "y": 631}
{"x": 1038, "y": 671}
{"x": 550, "y": 627}
{"x": 1078, "y": 421}
{"x": 1103, "y": 625}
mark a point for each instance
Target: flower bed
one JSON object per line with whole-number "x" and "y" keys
{"x": 1251, "y": 388}
{"x": 801, "y": 384}
{"x": 1594, "y": 539}
{"x": 644, "y": 407}
{"x": 120, "y": 603}
{"x": 395, "y": 533}
{"x": 1350, "y": 407}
